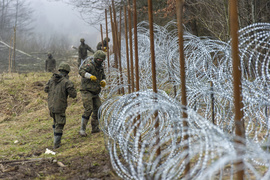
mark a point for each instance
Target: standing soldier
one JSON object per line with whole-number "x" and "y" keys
{"x": 105, "y": 45}
{"x": 82, "y": 50}
{"x": 59, "y": 87}
{"x": 93, "y": 78}
{"x": 50, "y": 64}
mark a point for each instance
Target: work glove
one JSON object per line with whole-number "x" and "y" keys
{"x": 105, "y": 49}
{"x": 90, "y": 76}
{"x": 103, "y": 83}
{"x": 93, "y": 78}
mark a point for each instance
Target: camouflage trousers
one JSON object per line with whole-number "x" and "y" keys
{"x": 59, "y": 121}
{"x": 50, "y": 69}
{"x": 91, "y": 104}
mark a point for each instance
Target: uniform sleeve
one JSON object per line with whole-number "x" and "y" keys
{"x": 71, "y": 90}
{"x": 85, "y": 68}
{"x": 90, "y": 49}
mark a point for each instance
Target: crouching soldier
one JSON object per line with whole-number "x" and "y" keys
{"x": 93, "y": 78}
{"x": 59, "y": 87}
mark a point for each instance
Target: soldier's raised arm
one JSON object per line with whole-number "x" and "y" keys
{"x": 90, "y": 49}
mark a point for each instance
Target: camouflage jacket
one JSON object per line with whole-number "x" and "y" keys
{"x": 87, "y": 84}
{"x": 82, "y": 50}
{"x": 59, "y": 88}
{"x": 50, "y": 64}
{"x": 99, "y": 45}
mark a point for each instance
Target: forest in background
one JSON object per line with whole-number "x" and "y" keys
{"x": 201, "y": 18}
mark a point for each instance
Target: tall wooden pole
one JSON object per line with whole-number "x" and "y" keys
{"x": 127, "y": 54}
{"x": 131, "y": 47}
{"x": 108, "y": 50}
{"x": 119, "y": 42}
{"x": 179, "y": 12}
{"x": 238, "y": 102}
{"x": 114, "y": 39}
{"x": 101, "y": 33}
{"x": 153, "y": 63}
{"x": 115, "y": 35}
{"x": 136, "y": 47}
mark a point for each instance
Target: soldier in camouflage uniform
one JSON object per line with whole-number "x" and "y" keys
{"x": 105, "y": 46}
{"x": 59, "y": 87}
{"x": 82, "y": 50}
{"x": 93, "y": 78}
{"x": 50, "y": 64}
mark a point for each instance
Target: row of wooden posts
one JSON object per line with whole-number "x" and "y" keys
{"x": 116, "y": 34}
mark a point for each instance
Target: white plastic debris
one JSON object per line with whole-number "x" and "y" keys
{"x": 49, "y": 152}
{"x": 16, "y": 141}
{"x": 60, "y": 164}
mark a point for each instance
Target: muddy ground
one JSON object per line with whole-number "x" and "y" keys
{"x": 86, "y": 167}
{"x": 26, "y": 132}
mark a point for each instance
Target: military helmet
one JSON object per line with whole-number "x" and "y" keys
{"x": 82, "y": 40}
{"x": 64, "y": 66}
{"x": 105, "y": 39}
{"x": 99, "y": 54}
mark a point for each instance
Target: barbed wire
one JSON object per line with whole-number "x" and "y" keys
{"x": 129, "y": 122}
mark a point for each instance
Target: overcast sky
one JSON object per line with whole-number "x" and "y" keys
{"x": 53, "y": 17}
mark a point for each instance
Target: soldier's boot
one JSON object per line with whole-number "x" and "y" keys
{"x": 94, "y": 124}
{"x": 83, "y": 127}
{"x": 57, "y": 141}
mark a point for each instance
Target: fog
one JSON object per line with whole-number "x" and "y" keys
{"x": 52, "y": 17}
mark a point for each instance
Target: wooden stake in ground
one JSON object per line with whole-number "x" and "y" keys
{"x": 238, "y": 103}
{"x": 113, "y": 35}
{"x": 101, "y": 34}
{"x": 127, "y": 54}
{"x": 131, "y": 48}
{"x": 119, "y": 49}
{"x": 153, "y": 63}
{"x": 136, "y": 47}
{"x": 108, "y": 51}
{"x": 179, "y": 13}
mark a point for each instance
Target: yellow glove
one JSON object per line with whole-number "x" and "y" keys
{"x": 93, "y": 78}
{"x": 103, "y": 83}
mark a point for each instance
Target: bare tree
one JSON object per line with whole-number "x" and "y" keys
{"x": 5, "y": 23}
{"x": 14, "y": 13}
{"x": 202, "y": 17}
{"x": 210, "y": 18}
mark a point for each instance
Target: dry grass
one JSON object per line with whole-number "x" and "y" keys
{"x": 26, "y": 132}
